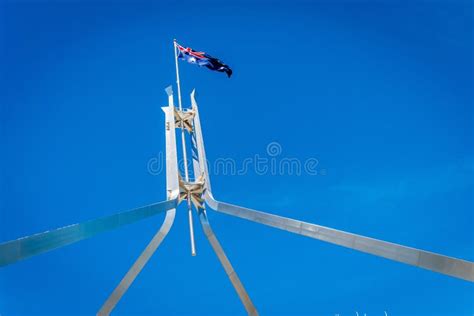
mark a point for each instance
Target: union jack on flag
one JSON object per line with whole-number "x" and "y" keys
{"x": 202, "y": 59}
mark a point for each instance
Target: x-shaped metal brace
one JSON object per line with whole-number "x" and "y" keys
{"x": 194, "y": 190}
{"x": 184, "y": 119}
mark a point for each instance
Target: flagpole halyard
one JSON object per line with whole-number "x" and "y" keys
{"x": 183, "y": 143}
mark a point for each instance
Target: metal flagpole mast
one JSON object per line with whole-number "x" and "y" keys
{"x": 183, "y": 142}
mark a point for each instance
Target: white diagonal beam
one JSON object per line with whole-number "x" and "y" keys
{"x": 229, "y": 270}
{"x": 137, "y": 267}
{"x": 172, "y": 187}
{"x": 420, "y": 258}
{"x": 454, "y": 267}
{"x": 25, "y": 247}
{"x": 200, "y": 172}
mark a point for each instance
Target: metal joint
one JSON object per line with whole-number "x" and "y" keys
{"x": 194, "y": 190}
{"x": 184, "y": 119}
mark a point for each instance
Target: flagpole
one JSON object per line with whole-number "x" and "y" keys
{"x": 183, "y": 142}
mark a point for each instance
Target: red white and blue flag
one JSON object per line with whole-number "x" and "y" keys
{"x": 202, "y": 59}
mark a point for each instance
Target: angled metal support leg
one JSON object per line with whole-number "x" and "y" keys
{"x": 200, "y": 170}
{"x": 172, "y": 185}
{"x": 454, "y": 267}
{"x": 229, "y": 270}
{"x": 25, "y": 247}
{"x": 137, "y": 267}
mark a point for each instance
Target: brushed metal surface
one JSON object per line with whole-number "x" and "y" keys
{"x": 198, "y": 145}
{"x": 172, "y": 179}
{"x": 200, "y": 171}
{"x": 25, "y": 247}
{"x": 454, "y": 267}
{"x": 137, "y": 267}
{"x": 172, "y": 187}
{"x": 229, "y": 270}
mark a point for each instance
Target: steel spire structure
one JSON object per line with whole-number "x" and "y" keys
{"x": 197, "y": 192}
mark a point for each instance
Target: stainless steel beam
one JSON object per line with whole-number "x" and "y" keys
{"x": 172, "y": 187}
{"x": 454, "y": 267}
{"x": 198, "y": 149}
{"x": 229, "y": 270}
{"x": 420, "y": 258}
{"x": 137, "y": 267}
{"x": 200, "y": 171}
{"x": 25, "y": 247}
{"x": 172, "y": 173}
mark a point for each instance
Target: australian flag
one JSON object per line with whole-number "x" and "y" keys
{"x": 202, "y": 59}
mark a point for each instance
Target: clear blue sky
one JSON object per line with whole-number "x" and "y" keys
{"x": 380, "y": 92}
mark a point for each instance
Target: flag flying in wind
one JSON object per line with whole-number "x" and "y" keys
{"x": 202, "y": 59}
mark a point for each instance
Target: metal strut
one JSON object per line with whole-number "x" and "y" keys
{"x": 193, "y": 191}
{"x": 454, "y": 267}
{"x": 229, "y": 270}
{"x": 184, "y": 119}
{"x": 198, "y": 192}
{"x": 200, "y": 168}
{"x": 33, "y": 245}
{"x": 139, "y": 264}
{"x": 172, "y": 186}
